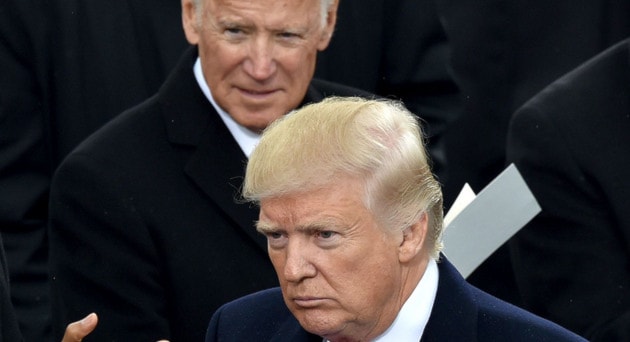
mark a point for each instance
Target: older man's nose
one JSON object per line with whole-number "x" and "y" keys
{"x": 260, "y": 63}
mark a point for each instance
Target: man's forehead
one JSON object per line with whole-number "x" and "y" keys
{"x": 306, "y": 214}
{"x": 265, "y": 224}
{"x": 260, "y": 17}
{"x": 268, "y": 7}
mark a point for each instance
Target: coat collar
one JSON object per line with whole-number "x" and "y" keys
{"x": 454, "y": 314}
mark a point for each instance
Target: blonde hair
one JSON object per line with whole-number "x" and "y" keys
{"x": 378, "y": 141}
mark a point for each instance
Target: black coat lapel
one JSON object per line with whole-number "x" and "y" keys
{"x": 211, "y": 157}
{"x": 454, "y": 314}
{"x": 218, "y": 167}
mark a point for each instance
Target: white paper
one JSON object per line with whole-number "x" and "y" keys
{"x": 500, "y": 210}
{"x": 466, "y": 195}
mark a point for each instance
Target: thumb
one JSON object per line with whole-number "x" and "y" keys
{"x": 76, "y": 331}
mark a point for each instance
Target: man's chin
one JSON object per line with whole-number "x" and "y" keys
{"x": 321, "y": 324}
{"x": 257, "y": 120}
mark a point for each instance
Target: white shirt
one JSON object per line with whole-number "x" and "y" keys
{"x": 414, "y": 314}
{"x": 245, "y": 138}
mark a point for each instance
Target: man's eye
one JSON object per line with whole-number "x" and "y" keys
{"x": 288, "y": 35}
{"x": 326, "y": 234}
{"x": 233, "y": 31}
{"x": 274, "y": 235}
{"x": 276, "y": 240}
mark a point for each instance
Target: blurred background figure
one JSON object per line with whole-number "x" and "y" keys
{"x": 66, "y": 68}
{"x": 503, "y": 53}
{"x": 571, "y": 143}
{"x": 9, "y": 329}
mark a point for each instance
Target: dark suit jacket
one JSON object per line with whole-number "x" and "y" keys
{"x": 461, "y": 312}
{"x": 571, "y": 143}
{"x": 503, "y": 53}
{"x": 145, "y": 228}
{"x": 9, "y": 330}
{"x": 66, "y": 68}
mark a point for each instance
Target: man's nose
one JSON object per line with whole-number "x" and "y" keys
{"x": 298, "y": 265}
{"x": 260, "y": 63}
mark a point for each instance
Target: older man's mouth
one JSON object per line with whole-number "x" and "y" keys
{"x": 257, "y": 93}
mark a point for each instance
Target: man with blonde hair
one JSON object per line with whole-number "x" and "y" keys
{"x": 353, "y": 220}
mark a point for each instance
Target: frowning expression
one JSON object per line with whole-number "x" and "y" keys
{"x": 339, "y": 270}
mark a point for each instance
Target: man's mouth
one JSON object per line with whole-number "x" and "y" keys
{"x": 257, "y": 93}
{"x": 308, "y": 301}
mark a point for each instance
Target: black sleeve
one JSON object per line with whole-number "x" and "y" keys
{"x": 570, "y": 262}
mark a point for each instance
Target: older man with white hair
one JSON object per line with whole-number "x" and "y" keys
{"x": 145, "y": 230}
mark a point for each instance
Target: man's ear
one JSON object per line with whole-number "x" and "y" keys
{"x": 190, "y": 21}
{"x": 329, "y": 27}
{"x": 413, "y": 239}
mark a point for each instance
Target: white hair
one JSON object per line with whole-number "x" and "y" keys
{"x": 324, "y": 9}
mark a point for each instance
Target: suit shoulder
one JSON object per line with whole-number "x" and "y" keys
{"x": 130, "y": 128}
{"x": 328, "y": 88}
{"x": 255, "y": 317}
{"x": 260, "y": 304}
{"x": 499, "y": 319}
{"x": 596, "y": 88}
{"x": 133, "y": 140}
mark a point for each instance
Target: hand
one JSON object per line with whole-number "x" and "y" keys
{"x": 76, "y": 331}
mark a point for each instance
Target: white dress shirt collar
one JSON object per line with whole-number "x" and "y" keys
{"x": 245, "y": 138}
{"x": 414, "y": 314}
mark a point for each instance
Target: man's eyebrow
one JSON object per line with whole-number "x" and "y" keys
{"x": 265, "y": 227}
{"x": 316, "y": 226}
{"x": 229, "y": 21}
{"x": 292, "y": 29}
{"x": 319, "y": 225}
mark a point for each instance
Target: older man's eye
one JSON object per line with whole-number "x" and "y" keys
{"x": 287, "y": 35}
{"x": 234, "y": 31}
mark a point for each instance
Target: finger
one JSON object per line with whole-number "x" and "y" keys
{"x": 76, "y": 331}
